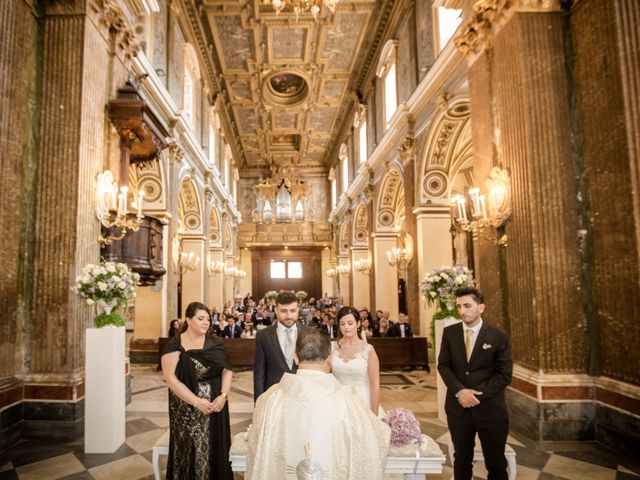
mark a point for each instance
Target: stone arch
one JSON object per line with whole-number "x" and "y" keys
{"x": 360, "y": 226}
{"x": 190, "y": 60}
{"x": 448, "y": 145}
{"x": 391, "y": 188}
{"x": 228, "y": 239}
{"x": 149, "y": 177}
{"x": 215, "y": 232}
{"x": 190, "y": 207}
{"x": 343, "y": 239}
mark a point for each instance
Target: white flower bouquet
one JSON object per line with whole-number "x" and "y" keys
{"x": 301, "y": 295}
{"x": 440, "y": 285}
{"x": 271, "y": 295}
{"x": 108, "y": 286}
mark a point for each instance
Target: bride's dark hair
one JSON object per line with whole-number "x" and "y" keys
{"x": 343, "y": 312}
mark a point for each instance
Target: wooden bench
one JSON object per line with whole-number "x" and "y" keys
{"x": 393, "y": 352}
{"x": 509, "y": 454}
{"x": 415, "y": 463}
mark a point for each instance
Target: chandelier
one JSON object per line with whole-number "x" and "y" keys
{"x": 363, "y": 266}
{"x": 112, "y": 208}
{"x": 300, "y": 6}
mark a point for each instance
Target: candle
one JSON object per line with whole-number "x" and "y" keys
{"x": 484, "y": 207}
{"x": 140, "y": 199}
{"x": 464, "y": 209}
{"x": 125, "y": 194}
{"x": 114, "y": 196}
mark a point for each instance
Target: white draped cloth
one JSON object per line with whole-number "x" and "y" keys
{"x": 311, "y": 417}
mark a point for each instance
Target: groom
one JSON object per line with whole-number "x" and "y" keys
{"x": 275, "y": 345}
{"x": 475, "y": 364}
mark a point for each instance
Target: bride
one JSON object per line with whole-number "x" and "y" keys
{"x": 354, "y": 362}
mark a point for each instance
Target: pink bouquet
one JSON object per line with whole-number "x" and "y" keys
{"x": 405, "y": 428}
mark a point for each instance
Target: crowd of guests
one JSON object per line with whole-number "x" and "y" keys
{"x": 246, "y": 317}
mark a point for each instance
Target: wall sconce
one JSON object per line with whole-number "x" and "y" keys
{"x": 399, "y": 257}
{"x": 332, "y": 273}
{"x": 363, "y": 266}
{"x": 239, "y": 274}
{"x": 499, "y": 206}
{"x": 235, "y": 273}
{"x": 110, "y": 203}
{"x": 343, "y": 269}
{"x": 216, "y": 267}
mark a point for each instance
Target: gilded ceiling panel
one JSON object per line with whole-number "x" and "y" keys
{"x": 285, "y": 120}
{"x": 248, "y": 119}
{"x": 288, "y": 44}
{"x": 236, "y": 43}
{"x": 333, "y": 88}
{"x": 322, "y": 119}
{"x": 241, "y": 90}
{"x": 340, "y": 41}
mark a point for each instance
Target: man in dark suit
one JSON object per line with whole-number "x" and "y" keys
{"x": 275, "y": 345}
{"x": 475, "y": 364}
{"x": 401, "y": 328}
{"x": 232, "y": 329}
{"x": 328, "y": 326}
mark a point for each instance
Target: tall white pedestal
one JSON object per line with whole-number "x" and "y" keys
{"x": 441, "y": 387}
{"x": 104, "y": 411}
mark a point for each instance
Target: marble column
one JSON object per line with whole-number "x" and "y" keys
{"x": 193, "y": 280}
{"x": 216, "y": 281}
{"x": 360, "y": 279}
{"x": 386, "y": 288}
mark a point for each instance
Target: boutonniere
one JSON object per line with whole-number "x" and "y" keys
{"x": 486, "y": 346}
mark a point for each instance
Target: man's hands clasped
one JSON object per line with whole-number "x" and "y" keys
{"x": 467, "y": 397}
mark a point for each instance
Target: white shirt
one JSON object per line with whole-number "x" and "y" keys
{"x": 474, "y": 333}
{"x": 281, "y": 330}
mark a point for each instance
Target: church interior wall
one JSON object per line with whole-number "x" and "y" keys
{"x": 607, "y": 163}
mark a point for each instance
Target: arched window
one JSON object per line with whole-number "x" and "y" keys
{"x": 190, "y": 80}
{"x": 343, "y": 156}
{"x": 387, "y": 73}
{"x": 213, "y": 135}
{"x": 448, "y": 20}
{"x": 283, "y": 204}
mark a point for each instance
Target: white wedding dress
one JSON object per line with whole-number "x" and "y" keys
{"x": 354, "y": 372}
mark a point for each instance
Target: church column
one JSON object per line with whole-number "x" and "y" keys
{"x": 193, "y": 280}
{"x": 360, "y": 279}
{"x": 369, "y": 192}
{"x": 386, "y": 287}
{"x": 412, "y": 287}
{"x": 216, "y": 280}
{"x": 246, "y": 283}
{"x": 176, "y": 155}
{"x": 533, "y": 286}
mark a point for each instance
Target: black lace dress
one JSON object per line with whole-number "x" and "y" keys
{"x": 199, "y": 444}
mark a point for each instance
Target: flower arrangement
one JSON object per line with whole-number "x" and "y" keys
{"x": 271, "y": 295}
{"x": 108, "y": 286}
{"x": 301, "y": 295}
{"x": 405, "y": 428}
{"x": 440, "y": 285}
{"x": 439, "y": 289}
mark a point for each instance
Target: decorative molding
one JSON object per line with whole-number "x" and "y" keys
{"x": 407, "y": 150}
{"x": 476, "y": 34}
{"x": 113, "y": 19}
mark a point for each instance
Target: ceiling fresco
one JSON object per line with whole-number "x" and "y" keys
{"x": 288, "y": 84}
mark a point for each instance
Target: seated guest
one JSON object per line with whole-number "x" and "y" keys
{"x": 366, "y": 331}
{"x": 174, "y": 328}
{"x": 383, "y": 329}
{"x": 249, "y": 331}
{"x": 310, "y": 423}
{"x": 328, "y": 326}
{"x": 232, "y": 330}
{"x": 401, "y": 328}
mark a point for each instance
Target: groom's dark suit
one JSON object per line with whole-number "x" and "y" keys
{"x": 269, "y": 363}
{"x": 489, "y": 371}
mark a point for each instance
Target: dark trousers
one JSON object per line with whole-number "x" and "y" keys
{"x": 493, "y": 438}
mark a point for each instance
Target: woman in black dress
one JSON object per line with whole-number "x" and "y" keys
{"x": 198, "y": 374}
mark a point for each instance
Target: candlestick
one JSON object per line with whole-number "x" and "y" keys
{"x": 464, "y": 209}
{"x": 140, "y": 199}
{"x": 484, "y": 207}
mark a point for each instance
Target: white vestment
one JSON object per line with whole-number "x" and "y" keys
{"x": 311, "y": 416}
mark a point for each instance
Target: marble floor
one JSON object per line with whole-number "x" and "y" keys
{"x": 147, "y": 419}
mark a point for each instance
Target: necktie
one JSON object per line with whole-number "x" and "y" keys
{"x": 288, "y": 347}
{"x": 402, "y": 330}
{"x": 467, "y": 343}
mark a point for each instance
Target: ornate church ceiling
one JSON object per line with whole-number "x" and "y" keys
{"x": 288, "y": 84}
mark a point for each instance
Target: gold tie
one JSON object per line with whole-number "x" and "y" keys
{"x": 467, "y": 343}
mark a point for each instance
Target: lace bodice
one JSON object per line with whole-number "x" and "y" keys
{"x": 354, "y": 371}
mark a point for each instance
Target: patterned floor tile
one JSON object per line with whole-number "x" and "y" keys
{"x": 90, "y": 460}
{"x": 51, "y": 468}
{"x": 577, "y": 470}
{"x": 141, "y": 425}
{"x": 134, "y": 467}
